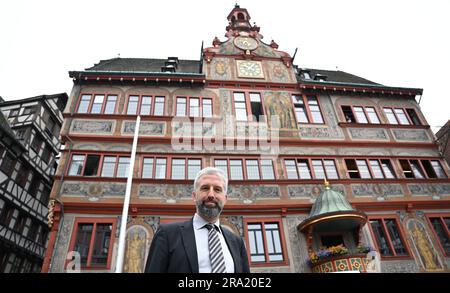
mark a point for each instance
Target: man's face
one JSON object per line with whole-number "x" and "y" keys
{"x": 210, "y": 197}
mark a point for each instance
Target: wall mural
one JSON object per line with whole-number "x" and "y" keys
{"x": 220, "y": 68}
{"x": 426, "y": 255}
{"x": 435, "y": 190}
{"x": 368, "y": 133}
{"x": 146, "y": 128}
{"x": 279, "y": 103}
{"x": 312, "y": 191}
{"x": 250, "y": 193}
{"x": 90, "y": 126}
{"x": 410, "y": 135}
{"x": 136, "y": 246}
{"x": 229, "y": 48}
{"x": 378, "y": 191}
{"x": 93, "y": 191}
{"x": 170, "y": 193}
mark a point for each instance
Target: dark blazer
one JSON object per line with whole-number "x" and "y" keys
{"x": 173, "y": 250}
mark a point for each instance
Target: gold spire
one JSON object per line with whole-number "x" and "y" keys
{"x": 326, "y": 184}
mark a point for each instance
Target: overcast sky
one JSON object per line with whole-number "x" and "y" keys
{"x": 395, "y": 43}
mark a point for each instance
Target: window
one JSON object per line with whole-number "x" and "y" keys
{"x": 29, "y": 110}
{"x": 360, "y": 114}
{"x": 93, "y": 239}
{"x": 433, "y": 169}
{"x": 255, "y": 169}
{"x": 147, "y": 168}
{"x": 123, "y": 167}
{"x": 439, "y": 171}
{"x": 84, "y": 103}
{"x": 97, "y": 104}
{"x": 34, "y": 185}
{"x": 248, "y": 107}
{"x": 372, "y": 168}
{"x": 307, "y": 109}
{"x": 313, "y": 104}
{"x": 46, "y": 154}
{"x": 402, "y": 116}
{"x": 418, "y": 169}
{"x": 252, "y": 169}
{"x": 14, "y": 113}
{"x": 240, "y": 107}
{"x": 145, "y": 105}
{"x": 22, "y": 176}
{"x": 388, "y": 237}
{"x": 8, "y": 164}
{"x": 178, "y": 168}
{"x": 194, "y": 107}
{"x": 110, "y": 107}
{"x": 160, "y": 170}
{"x": 267, "y": 171}
{"x": 311, "y": 169}
{"x": 441, "y": 227}
{"x": 76, "y": 165}
{"x": 265, "y": 241}
{"x": 45, "y": 195}
{"x": 348, "y": 114}
{"x": 413, "y": 117}
{"x": 236, "y": 170}
{"x": 89, "y": 165}
{"x": 36, "y": 143}
{"x": 159, "y": 106}
{"x": 133, "y": 102}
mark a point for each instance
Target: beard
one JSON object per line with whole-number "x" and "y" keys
{"x": 209, "y": 212}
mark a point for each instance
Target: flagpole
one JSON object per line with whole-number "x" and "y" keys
{"x": 126, "y": 203}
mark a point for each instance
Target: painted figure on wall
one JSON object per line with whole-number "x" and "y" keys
{"x": 279, "y": 105}
{"x": 135, "y": 253}
{"x": 427, "y": 254}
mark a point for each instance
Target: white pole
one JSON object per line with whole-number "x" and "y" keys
{"x": 126, "y": 203}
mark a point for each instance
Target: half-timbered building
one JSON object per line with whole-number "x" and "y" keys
{"x": 29, "y": 146}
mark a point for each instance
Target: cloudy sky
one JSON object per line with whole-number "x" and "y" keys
{"x": 395, "y": 43}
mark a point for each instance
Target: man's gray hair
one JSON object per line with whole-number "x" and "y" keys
{"x": 211, "y": 170}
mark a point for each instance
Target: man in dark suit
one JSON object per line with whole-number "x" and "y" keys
{"x": 200, "y": 245}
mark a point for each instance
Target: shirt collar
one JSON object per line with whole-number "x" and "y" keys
{"x": 199, "y": 222}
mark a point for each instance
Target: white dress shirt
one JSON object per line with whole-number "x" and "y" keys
{"x": 201, "y": 240}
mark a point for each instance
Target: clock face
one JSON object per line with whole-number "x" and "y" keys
{"x": 246, "y": 43}
{"x": 252, "y": 69}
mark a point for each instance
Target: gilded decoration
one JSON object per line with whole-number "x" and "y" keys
{"x": 278, "y": 104}
{"x": 220, "y": 69}
{"x": 136, "y": 245}
{"x": 427, "y": 257}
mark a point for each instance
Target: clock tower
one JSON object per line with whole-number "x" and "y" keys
{"x": 244, "y": 56}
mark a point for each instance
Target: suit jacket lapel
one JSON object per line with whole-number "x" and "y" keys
{"x": 188, "y": 236}
{"x": 233, "y": 247}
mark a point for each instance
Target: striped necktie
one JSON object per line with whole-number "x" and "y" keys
{"x": 215, "y": 250}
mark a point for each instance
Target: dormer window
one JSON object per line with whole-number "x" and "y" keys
{"x": 306, "y": 75}
{"x": 320, "y": 77}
